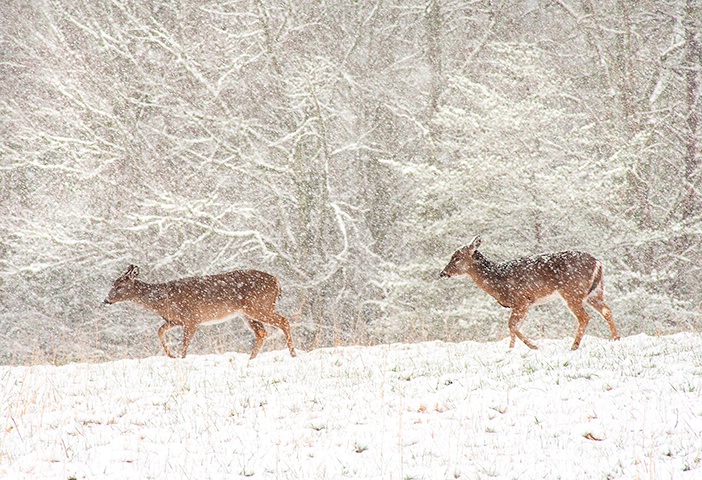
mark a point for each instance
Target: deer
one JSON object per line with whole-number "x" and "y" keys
{"x": 520, "y": 284}
{"x": 207, "y": 300}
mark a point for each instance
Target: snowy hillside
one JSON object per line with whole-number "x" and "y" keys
{"x": 629, "y": 409}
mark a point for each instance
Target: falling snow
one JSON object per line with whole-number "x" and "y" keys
{"x": 348, "y": 148}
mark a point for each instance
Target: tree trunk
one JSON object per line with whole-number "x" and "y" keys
{"x": 692, "y": 66}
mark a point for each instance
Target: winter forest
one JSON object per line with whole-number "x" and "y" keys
{"x": 349, "y": 148}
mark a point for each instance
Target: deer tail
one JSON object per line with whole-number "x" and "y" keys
{"x": 596, "y": 279}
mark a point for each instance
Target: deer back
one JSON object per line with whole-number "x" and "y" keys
{"x": 200, "y": 299}
{"x": 537, "y": 278}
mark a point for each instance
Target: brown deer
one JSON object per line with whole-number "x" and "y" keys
{"x": 194, "y": 301}
{"x": 522, "y": 283}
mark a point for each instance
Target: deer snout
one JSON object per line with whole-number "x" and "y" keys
{"x": 443, "y": 274}
{"x": 107, "y": 302}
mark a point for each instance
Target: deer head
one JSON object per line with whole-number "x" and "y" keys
{"x": 462, "y": 260}
{"x": 123, "y": 288}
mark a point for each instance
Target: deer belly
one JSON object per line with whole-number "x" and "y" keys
{"x": 548, "y": 298}
{"x": 225, "y": 318}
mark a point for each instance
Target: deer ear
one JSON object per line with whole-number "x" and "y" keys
{"x": 474, "y": 244}
{"x": 132, "y": 272}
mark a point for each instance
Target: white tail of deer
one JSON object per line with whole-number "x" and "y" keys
{"x": 522, "y": 283}
{"x": 194, "y": 301}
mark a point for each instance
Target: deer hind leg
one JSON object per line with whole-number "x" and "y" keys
{"x": 188, "y": 334}
{"x": 597, "y": 302}
{"x": 277, "y": 320}
{"x": 518, "y": 314}
{"x": 576, "y": 306}
{"x": 260, "y": 331}
{"x": 162, "y": 336}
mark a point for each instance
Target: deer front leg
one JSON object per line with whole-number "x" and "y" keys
{"x": 518, "y": 314}
{"x": 162, "y": 336}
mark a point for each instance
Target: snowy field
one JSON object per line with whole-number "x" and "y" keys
{"x": 629, "y": 409}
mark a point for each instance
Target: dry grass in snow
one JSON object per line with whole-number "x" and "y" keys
{"x": 629, "y": 409}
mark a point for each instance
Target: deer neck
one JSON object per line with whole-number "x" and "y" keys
{"x": 487, "y": 275}
{"x": 151, "y": 296}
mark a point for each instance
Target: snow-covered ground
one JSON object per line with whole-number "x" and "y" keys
{"x": 629, "y": 409}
